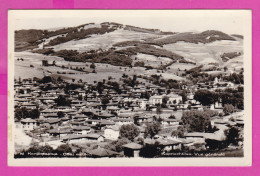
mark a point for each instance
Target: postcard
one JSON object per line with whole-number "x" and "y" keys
{"x": 129, "y": 88}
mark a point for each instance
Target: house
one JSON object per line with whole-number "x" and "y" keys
{"x": 51, "y": 115}
{"x": 63, "y": 108}
{"x": 95, "y": 137}
{"x": 156, "y": 99}
{"x": 29, "y": 124}
{"x": 47, "y": 111}
{"x": 132, "y": 149}
{"x": 92, "y": 121}
{"x": 76, "y": 102}
{"x": 112, "y": 132}
{"x": 79, "y": 106}
{"x": 106, "y": 123}
{"x": 113, "y": 109}
{"x": 28, "y": 105}
{"x": 60, "y": 132}
{"x": 77, "y": 123}
{"x": 199, "y": 138}
{"x": 104, "y": 115}
{"x": 141, "y": 119}
{"x": 81, "y": 129}
{"x": 80, "y": 116}
{"x": 174, "y": 99}
{"x": 51, "y": 123}
{"x": 26, "y": 96}
{"x": 143, "y": 104}
{"x": 123, "y": 121}
{"x": 170, "y": 122}
{"x": 83, "y": 138}
{"x": 169, "y": 144}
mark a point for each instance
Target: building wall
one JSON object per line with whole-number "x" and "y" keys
{"x": 29, "y": 126}
{"x": 111, "y": 134}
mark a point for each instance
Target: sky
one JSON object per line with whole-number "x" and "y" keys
{"x": 228, "y": 21}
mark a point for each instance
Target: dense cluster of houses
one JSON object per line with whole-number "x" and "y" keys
{"x": 87, "y": 120}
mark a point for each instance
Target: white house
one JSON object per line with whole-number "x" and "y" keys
{"x": 170, "y": 122}
{"x": 28, "y": 124}
{"x": 156, "y": 99}
{"x": 174, "y": 99}
{"x": 112, "y": 133}
{"x": 143, "y": 104}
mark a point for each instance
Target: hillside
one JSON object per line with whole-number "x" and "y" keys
{"x": 130, "y": 46}
{"x": 203, "y": 37}
{"x": 29, "y": 39}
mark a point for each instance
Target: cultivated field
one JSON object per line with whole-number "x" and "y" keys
{"x": 205, "y": 53}
{"x": 104, "y": 41}
{"x": 151, "y": 60}
{"x": 31, "y": 66}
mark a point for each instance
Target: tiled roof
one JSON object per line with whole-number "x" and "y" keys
{"x": 133, "y": 145}
{"x": 28, "y": 120}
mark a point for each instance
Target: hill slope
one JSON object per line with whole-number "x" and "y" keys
{"x": 125, "y": 45}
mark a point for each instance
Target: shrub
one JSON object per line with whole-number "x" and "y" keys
{"x": 228, "y": 109}
{"x": 64, "y": 148}
{"x": 129, "y": 131}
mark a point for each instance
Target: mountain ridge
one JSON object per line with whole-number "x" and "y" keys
{"x": 31, "y": 38}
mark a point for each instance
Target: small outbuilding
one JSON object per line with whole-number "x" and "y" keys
{"x": 132, "y": 149}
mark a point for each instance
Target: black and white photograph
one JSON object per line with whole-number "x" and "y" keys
{"x": 115, "y": 87}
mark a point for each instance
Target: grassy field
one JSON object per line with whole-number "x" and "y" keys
{"x": 200, "y": 53}
{"x": 205, "y": 53}
{"x": 104, "y": 41}
{"x": 151, "y": 60}
{"x": 103, "y": 71}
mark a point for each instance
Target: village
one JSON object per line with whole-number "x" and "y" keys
{"x": 127, "y": 118}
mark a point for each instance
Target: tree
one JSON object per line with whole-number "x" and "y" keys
{"x": 196, "y": 120}
{"x": 60, "y": 114}
{"x": 225, "y": 69}
{"x": 172, "y": 117}
{"x": 165, "y": 99}
{"x": 34, "y": 113}
{"x": 139, "y": 64}
{"x": 205, "y": 97}
{"x": 80, "y": 97}
{"x": 158, "y": 110}
{"x": 152, "y": 129}
{"x": 105, "y": 100}
{"x": 211, "y": 129}
{"x": 117, "y": 145}
{"x": 179, "y": 132}
{"x": 22, "y": 113}
{"x": 136, "y": 122}
{"x": 184, "y": 96}
{"x": 36, "y": 148}
{"x": 228, "y": 109}
{"x": 100, "y": 87}
{"x": 93, "y": 66}
{"x": 46, "y": 79}
{"x": 64, "y": 148}
{"x": 232, "y": 135}
{"x": 62, "y": 101}
{"x": 129, "y": 131}
{"x": 60, "y": 79}
{"x": 151, "y": 150}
